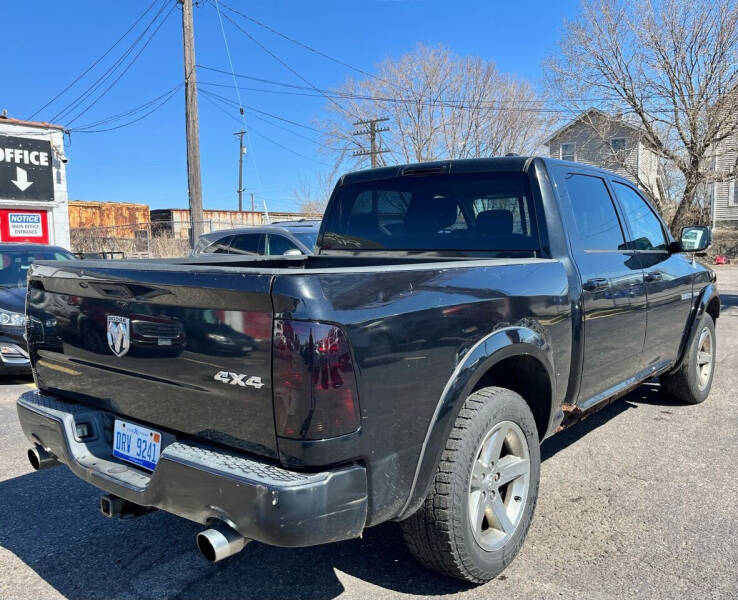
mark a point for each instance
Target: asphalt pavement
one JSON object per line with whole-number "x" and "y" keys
{"x": 638, "y": 501}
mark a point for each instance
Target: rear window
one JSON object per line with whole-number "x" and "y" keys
{"x": 484, "y": 212}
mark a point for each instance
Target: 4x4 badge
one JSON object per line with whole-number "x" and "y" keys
{"x": 238, "y": 379}
{"x": 119, "y": 334}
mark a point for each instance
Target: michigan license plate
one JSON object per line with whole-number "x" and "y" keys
{"x": 136, "y": 444}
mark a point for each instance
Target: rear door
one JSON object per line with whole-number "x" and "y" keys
{"x": 613, "y": 297}
{"x": 668, "y": 278}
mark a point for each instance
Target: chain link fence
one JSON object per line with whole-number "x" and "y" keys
{"x": 155, "y": 239}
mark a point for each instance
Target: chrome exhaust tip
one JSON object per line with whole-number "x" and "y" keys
{"x": 220, "y": 542}
{"x": 40, "y": 459}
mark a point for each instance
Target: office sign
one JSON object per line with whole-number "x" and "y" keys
{"x": 26, "y": 171}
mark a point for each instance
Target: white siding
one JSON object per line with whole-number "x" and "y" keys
{"x": 725, "y": 207}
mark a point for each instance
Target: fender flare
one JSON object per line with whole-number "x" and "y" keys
{"x": 707, "y": 294}
{"x": 490, "y": 350}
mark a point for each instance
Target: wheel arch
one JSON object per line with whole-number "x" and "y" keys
{"x": 707, "y": 302}
{"x": 498, "y": 359}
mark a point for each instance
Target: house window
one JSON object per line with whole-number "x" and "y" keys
{"x": 568, "y": 151}
{"x": 617, "y": 144}
{"x": 733, "y": 193}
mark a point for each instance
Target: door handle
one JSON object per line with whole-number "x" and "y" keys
{"x": 598, "y": 283}
{"x": 653, "y": 277}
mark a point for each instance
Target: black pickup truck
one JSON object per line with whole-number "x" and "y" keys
{"x": 455, "y": 314}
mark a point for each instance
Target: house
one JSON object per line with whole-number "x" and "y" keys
{"x": 610, "y": 142}
{"x": 725, "y": 193}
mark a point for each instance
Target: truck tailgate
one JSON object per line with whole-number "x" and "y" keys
{"x": 184, "y": 350}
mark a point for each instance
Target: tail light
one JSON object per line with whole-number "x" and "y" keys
{"x": 315, "y": 393}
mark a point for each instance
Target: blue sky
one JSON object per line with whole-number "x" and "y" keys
{"x": 49, "y": 43}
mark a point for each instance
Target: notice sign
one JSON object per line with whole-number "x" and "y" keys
{"x": 24, "y": 226}
{"x": 26, "y": 169}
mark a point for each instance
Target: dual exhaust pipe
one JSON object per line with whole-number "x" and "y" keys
{"x": 215, "y": 544}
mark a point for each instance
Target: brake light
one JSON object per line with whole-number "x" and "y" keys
{"x": 315, "y": 394}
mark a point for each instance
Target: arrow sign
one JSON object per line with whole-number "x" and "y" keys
{"x": 21, "y": 179}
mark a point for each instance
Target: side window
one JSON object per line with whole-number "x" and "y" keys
{"x": 597, "y": 223}
{"x": 278, "y": 245}
{"x": 248, "y": 243}
{"x": 219, "y": 246}
{"x": 645, "y": 227}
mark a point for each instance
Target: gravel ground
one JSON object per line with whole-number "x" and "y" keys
{"x": 639, "y": 501}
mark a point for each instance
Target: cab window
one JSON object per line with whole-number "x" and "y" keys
{"x": 645, "y": 227}
{"x": 595, "y": 217}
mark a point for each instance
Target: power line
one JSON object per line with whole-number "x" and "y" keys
{"x": 497, "y": 104}
{"x": 211, "y": 98}
{"x": 263, "y": 120}
{"x": 286, "y": 66}
{"x": 171, "y": 95}
{"x": 127, "y": 113}
{"x": 108, "y": 73}
{"x": 238, "y": 93}
{"x": 94, "y": 64}
{"x": 128, "y": 66}
{"x": 254, "y": 109}
{"x": 299, "y": 43}
{"x": 259, "y": 133}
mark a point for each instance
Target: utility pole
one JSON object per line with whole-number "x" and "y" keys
{"x": 252, "y": 202}
{"x": 241, "y": 152}
{"x": 372, "y": 132}
{"x": 194, "y": 183}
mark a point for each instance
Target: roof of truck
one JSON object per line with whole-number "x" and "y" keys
{"x": 462, "y": 165}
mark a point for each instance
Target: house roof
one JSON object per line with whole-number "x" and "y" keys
{"x": 41, "y": 124}
{"x": 586, "y": 113}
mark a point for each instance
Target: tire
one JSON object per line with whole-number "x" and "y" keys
{"x": 440, "y": 535}
{"x": 691, "y": 383}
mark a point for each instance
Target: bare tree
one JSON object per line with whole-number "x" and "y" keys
{"x": 671, "y": 66}
{"x": 440, "y": 105}
{"x": 312, "y": 195}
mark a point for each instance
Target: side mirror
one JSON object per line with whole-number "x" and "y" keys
{"x": 292, "y": 252}
{"x": 696, "y": 238}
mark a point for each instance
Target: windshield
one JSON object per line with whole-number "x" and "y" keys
{"x": 476, "y": 211}
{"x": 14, "y": 264}
{"x": 308, "y": 238}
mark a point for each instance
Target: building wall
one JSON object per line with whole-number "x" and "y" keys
{"x": 57, "y": 210}
{"x": 178, "y": 219}
{"x": 725, "y": 193}
{"x": 592, "y": 144}
{"x": 118, "y": 217}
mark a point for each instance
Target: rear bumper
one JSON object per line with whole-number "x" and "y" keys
{"x": 262, "y": 501}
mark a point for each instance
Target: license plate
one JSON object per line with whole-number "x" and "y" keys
{"x": 136, "y": 444}
{"x": 165, "y": 342}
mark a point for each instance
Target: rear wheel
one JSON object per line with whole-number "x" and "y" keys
{"x": 481, "y": 503}
{"x": 691, "y": 383}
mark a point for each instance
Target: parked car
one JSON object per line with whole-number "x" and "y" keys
{"x": 15, "y": 259}
{"x": 291, "y": 238}
{"x": 455, "y": 314}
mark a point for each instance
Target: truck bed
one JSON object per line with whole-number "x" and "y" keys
{"x": 195, "y": 318}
